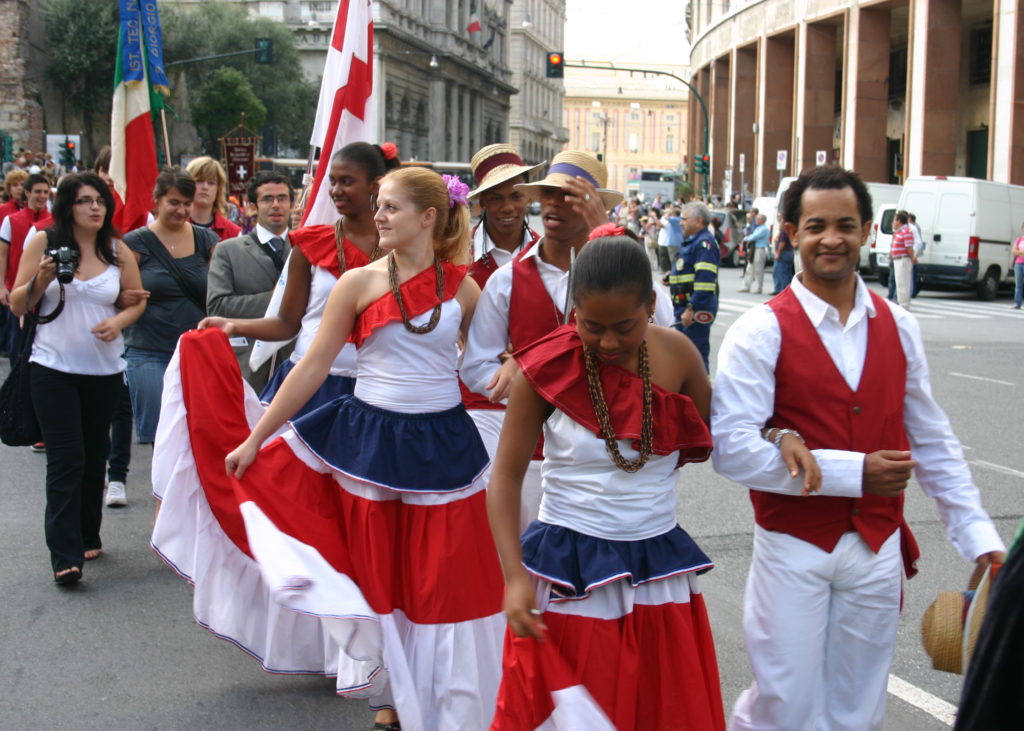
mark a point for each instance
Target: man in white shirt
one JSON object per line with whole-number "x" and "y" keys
{"x": 244, "y": 270}
{"x": 823, "y": 595}
{"x": 915, "y": 285}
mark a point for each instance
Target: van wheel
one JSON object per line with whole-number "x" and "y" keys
{"x": 883, "y": 277}
{"x": 733, "y": 260}
{"x": 988, "y": 287}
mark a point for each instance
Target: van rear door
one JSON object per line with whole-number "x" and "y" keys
{"x": 944, "y": 211}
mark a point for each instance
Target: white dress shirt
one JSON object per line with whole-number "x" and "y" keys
{"x": 488, "y": 332}
{"x": 744, "y": 397}
{"x": 482, "y": 244}
{"x": 918, "y": 241}
{"x": 264, "y": 236}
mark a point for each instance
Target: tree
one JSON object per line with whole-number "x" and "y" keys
{"x": 221, "y": 103}
{"x": 215, "y": 27}
{"x": 82, "y": 39}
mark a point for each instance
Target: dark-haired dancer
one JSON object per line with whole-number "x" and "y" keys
{"x": 831, "y": 364}
{"x": 77, "y": 370}
{"x": 199, "y": 530}
{"x": 605, "y": 576}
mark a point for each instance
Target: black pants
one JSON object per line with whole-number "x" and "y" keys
{"x": 121, "y": 438}
{"x": 74, "y": 413}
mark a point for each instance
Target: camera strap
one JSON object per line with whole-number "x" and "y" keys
{"x": 34, "y": 313}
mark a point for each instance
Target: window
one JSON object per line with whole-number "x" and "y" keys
{"x": 595, "y": 141}
{"x": 980, "y": 59}
{"x": 670, "y": 118}
{"x": 897, "y": 74}
{"x": 635, "y": 116}
{"x": 670, "y": 144}
{"x": 634, "y": 142}
{"x": 322, "y": 7}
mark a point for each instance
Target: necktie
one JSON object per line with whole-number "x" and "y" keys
{"x": 277, "y": 244}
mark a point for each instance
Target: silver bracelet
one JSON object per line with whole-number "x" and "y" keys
{"x": 777, "y": 440}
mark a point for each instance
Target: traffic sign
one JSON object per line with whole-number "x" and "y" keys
{"x": 820, "y": 157}
{"x": 780, "y": 159}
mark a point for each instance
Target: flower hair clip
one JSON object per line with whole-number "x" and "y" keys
{"x": 457, "y": 190}
{"x": 390, "y": 150}
{"x": 606, "y": 229}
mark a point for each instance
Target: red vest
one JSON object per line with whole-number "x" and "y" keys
{"x": 531, "y": 313}
{"x": 812, "y": 397}
{"x": 481, "y": 270}
{"x": 21, "y": 222}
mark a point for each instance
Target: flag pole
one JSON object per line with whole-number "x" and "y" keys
{"x": 167, "y": 142}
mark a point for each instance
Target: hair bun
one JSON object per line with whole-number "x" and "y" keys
{"x": 390, "y": 150}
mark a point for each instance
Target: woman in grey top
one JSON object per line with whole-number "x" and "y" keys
{"x": 174, "y": 259}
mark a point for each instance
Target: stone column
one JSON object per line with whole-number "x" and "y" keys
{"x": 1006, "y": 120}
{"x": 816, "y": 110}
{"x": 437, "y": 112}
{"x": 934, "y": 71}
{"x": 867, "y": 89}
{"x": 776, "y": 110}
{"x": 744, "y": 114}
{"x": 719, "y": 121}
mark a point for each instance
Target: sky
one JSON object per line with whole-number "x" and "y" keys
{"x": 613, "y": 30}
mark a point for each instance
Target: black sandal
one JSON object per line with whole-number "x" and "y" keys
{"x": 65, "y": 577}
{"x": 396, "y": 726}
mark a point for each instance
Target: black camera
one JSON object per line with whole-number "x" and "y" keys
{"x": 66, "y": 260}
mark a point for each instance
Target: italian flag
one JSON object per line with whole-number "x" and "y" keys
{"x": 132, "y": 145}
{"x": 474, "y": 21}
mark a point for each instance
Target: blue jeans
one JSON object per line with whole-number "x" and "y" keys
{"x": 146, "y": 383}
{"x": 1018, "y": 284}
{"x": 782, "y": 270}
{"x": 120, "y": 437}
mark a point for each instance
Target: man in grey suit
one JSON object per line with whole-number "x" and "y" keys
{"x": 244, "y": 270}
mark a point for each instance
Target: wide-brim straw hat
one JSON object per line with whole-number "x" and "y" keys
{"x": 571, "y": 164}
{"x": 495, "y": 164}
{"x": 942, "y": 631}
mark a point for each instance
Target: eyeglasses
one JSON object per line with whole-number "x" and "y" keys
{"x": 90, "y": 202}
{"x": 270, "y": 199}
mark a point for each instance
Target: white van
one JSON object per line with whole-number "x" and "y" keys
{"x": 967, "y": 226}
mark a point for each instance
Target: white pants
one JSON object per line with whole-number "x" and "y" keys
{"x": 903, "y": 270}
{"x": 488, "y": 423}
{"x": 755, "y": 269}
{"x": 820, "y": 630}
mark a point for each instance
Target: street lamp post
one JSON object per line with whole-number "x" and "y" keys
{"x": 659, "y": 72}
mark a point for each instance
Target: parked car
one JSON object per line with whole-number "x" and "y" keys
{"x": 730, "y": 223}
{"x": 968, "y": 226}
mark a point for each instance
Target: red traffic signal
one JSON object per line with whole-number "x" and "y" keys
{"x": 556, "y": 65}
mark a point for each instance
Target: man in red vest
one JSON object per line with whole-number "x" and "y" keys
{"x": 834, "y": 365}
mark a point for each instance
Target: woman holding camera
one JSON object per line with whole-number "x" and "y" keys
{"x": 174, "y": 260}
{"x": 78, "y": 265}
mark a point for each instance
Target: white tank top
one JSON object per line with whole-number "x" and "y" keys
{"x": 584, "y": 491}
{"x": 320, "y": 285}
{"x": 409, "y": 373}
{"x": 66, "y": 344}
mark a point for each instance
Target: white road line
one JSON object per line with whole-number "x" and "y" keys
{"x": 996, "y": 467}
{"x": 982, "y": 378}
{"x": 918, "y": 698}
{"x": 963, "y": 309}
{"x": 922, "y": 316}
{"x": 946, "y": 312}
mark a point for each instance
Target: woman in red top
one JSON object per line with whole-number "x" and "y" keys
{"x": 209, "y": 207}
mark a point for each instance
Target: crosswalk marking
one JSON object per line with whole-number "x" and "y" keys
{"x": 922, "y": 309}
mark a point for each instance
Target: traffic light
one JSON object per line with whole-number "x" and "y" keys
{"x": 556, "y": 65}
{"x": 67, "y": 153}
{"x": 702, "y": 165}
{"x": 264, "y": 50}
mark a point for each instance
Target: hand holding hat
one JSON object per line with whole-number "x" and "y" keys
{"x": 585, "y": 201}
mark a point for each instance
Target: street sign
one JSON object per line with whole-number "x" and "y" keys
{"x": 820, "y": 157}
{"x": 780, "y": 159}
{"x": 743, "y": 162}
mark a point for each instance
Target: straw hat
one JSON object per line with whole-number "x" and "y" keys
{"x": 568, "y": 165}
{"x": 950, "y": 627}
{"x": 494, "y": 164}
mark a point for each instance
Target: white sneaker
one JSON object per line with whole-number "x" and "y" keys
{"x": 116, "y": 497}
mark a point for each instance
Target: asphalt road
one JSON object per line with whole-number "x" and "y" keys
{"x": 120, "y": 651}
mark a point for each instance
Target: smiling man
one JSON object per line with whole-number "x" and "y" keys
{"x": 836, "y": 366}
{"x": 244, "y": 269}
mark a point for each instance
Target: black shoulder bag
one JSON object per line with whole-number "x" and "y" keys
{"x": 18, "y": 424}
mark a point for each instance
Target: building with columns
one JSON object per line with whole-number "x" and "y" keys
{"x": 891, "y": 89}
{"x": 537, "y": 27}
{"x": 629, "y": 122}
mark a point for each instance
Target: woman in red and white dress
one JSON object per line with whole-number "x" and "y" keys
{"x": 369, "y": 513}
{"x": 199, "y": 530}
{"x": 605, "y": 575}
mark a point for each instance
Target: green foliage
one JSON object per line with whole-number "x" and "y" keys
{"x": 82, "y": 40}
{"x": 217, "y": 27}
{"x": 222, "y": 101}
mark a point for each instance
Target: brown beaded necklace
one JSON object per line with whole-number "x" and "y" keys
{"x": 396, "y": 290}
{"x": 339, "y": 240}
{"x": 604, "y": 420}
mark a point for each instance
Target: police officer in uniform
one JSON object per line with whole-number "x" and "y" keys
{"x": 693, "y": 280}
